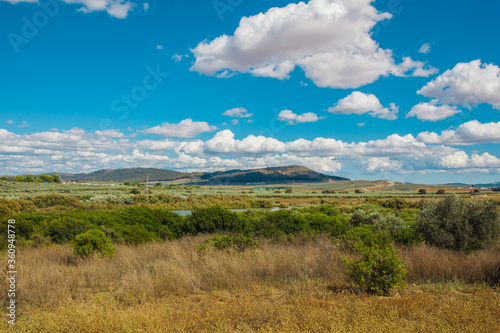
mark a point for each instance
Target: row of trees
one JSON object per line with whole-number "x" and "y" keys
{"x": 43, "y": 178}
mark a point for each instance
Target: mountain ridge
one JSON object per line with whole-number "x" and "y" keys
{"x": 282, "y": 174}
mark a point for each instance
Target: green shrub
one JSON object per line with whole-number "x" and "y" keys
{"x": 93, "y": 242}
{"x": 379, "y": 269}
{"x": 51, "y": 200}
{"x": 65, "y": 229}
{"x": 396, "y": 203}
{"x": 213, "y": 219}
{"x": 228, "y": 243}
{"x": 137, "y": 234}
{"x": 135, "y": 191}
{"x": 457, "y": 224}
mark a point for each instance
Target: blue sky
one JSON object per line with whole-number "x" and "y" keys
{"x": 397, "y": 89}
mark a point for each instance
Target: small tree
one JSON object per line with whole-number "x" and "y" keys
{"x": 20, "y": 179}
{"x": 46, "y": 178}
{"x": 57, "y": 178}
{"x": 93, "y": 242}
{"x": 288, "y": 190}
{"x": 379, "y": 269}
{"x": 422, "y": 191}
{"x": 30, "y": 178}
{"x": 440, "y": 192}
{"x": 457, "y": 224}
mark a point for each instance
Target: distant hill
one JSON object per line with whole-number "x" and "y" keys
{"x": 286, "y": 174}
{"x": 496, "y": 184}
{"x": 131, "y": 174}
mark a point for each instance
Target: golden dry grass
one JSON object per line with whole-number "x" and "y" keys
{"x": 170, "y": 287}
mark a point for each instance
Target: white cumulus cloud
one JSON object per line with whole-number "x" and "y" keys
{"x": 329, "y": 39}
{"x": 360, "y": 103}
{"x": 293, "y": 118}
{"x": 238, "y": 113}
{"x": 185, "y": 129}
{"x": 431, "y": 112}
{"x": 115, "y": 8}
{"x": 468, "y": 84}
{"x": 469, "y": 133}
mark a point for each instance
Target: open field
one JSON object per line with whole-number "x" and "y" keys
{"x": 298, "y": 286}
{"x": 295, "y": 281}
{"x": 102, "y": 191}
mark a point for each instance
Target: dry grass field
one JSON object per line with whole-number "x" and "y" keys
{"x": 297, "y": 286}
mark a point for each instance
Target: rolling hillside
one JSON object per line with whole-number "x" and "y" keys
{"x": 286, "y": 174}
{"x": 131, "y": 174}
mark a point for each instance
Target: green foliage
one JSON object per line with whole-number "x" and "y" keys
{"x": 57, "y": 178}
{"x": 93, "y": 242}
{"x": 422, "y": 191}
{"x": 127, "y": 183}
{"x": 20, "y": 179}
{"x": 288, "y": 190}
{"x": 213, "y": 219}
{"x": 51, "y": 200}
{"x": 399, "y": 230}
{"x": 228, "y": 243}
{"x": 137, "y": 234}
{"x": 261, "y": 204}
{"x": 135, "y": 191}
{"x": 30, "y": 178}
{"x": 46, "y": 178}
{"x": 440, "y": 192}
{"x": 65, "y": 229}
{"x": 396, "y": 203}
{"x": 378, "y": 270}
{"x": 454, "y": 223}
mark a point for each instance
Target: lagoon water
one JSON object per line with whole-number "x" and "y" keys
{"x": 188, "y": 212}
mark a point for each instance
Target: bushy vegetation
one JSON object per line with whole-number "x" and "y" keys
{"x": 458, "y": 224}
{"x": 43, "y": 178}
{"x": 378, "y": 270}
{"x": 93, "y": 242}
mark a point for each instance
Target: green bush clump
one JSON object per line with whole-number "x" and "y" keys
{"x": 396, "y": 203}
{"x": 380, "y": 222}
{"x": 93, "y": 242}
{"x": 228, "y": 243}
{"x": 137, "y": 234}
{"x": 458, "y": 224}
{"x": 51, "y": 200}
{"x": 378, "y": 270}
{"x": 213, "y": 219}
{"x": 400, "y": 231}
